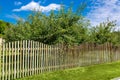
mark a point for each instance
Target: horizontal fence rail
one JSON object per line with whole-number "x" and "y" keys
{"x": 25, "y": 58}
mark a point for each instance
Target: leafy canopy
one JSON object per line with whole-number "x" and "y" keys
{"x": 64, "y": 26}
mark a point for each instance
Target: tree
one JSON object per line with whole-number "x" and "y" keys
{"x": 64, "y": 26}
{"x": 103, "y": 32}
{"x": 3, "y": 27}
{"x": 20, "y": 31}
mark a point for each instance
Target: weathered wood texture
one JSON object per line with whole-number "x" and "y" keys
{"x": 25, "y": 58}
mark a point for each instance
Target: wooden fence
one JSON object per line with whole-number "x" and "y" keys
{"x": 25, "y": 58}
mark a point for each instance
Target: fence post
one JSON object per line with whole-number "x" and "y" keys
{"x": 0, "y": 57}
{"x": 1, "y": 42}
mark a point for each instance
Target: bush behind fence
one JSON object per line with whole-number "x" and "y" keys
{"x": 24, "y": 58}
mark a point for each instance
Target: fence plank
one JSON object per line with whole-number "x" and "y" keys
{"x": 9, "y": 60}
{"x": 26, "y": 56}
{"x": 18, "y": 59}
{"x": 3, "y": 67}
{"x": 23, "y": 58}
{"x": 6, "y": 60}
{"x": 30, "y": 53}
{"x": 1, "y": 60}
{"x": 35, "y": 58}
{"x": 39, "y": 57}
{"x": 42, "y": 57}
{"x": 37, "y": 52}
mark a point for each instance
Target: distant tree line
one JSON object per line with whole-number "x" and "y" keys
{"x": 64, "y": 26}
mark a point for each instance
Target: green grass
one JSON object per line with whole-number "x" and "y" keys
{"x": 95, "y": 72}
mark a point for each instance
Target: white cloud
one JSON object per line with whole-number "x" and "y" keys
{"x": 103, "y": 9}
{"x": 17, "y": 3}
{"x": 37, "y": 7}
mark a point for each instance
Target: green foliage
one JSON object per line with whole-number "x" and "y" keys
{"x": 3, "y": 27}
{"x": 116, "y": 38}
{"x": 96, "y": 72}
{"x": 103, "y": 33}
{"x": 20, "y": 31}
{"x": 64, "y": 26}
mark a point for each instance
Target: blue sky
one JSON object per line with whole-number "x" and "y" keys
{"x": 12, "y": 9}
{"x": 96, "y": 11}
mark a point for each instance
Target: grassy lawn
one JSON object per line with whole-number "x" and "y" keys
{"x": 95, "y": 72}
